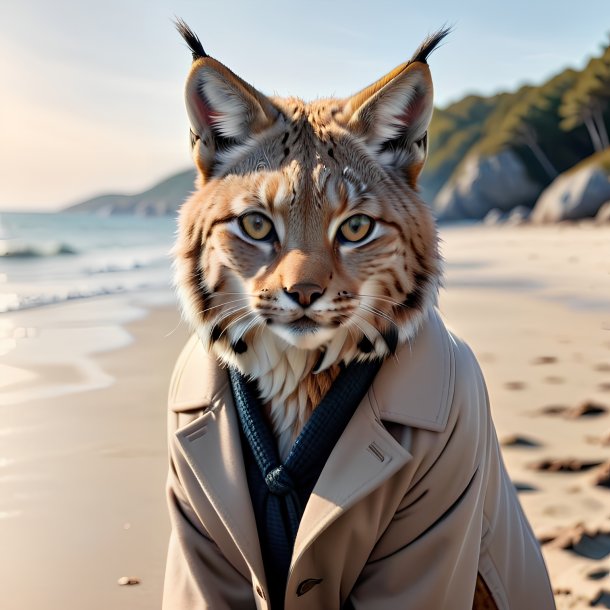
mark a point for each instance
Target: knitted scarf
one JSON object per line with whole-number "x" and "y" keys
{"x": 280, "y": 491}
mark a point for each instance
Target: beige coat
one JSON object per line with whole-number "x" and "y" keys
{"x": 413, "y": 502}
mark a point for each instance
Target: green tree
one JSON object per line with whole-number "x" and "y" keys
{"x": 520, "y": 126}
{"x": 586, "y": 103}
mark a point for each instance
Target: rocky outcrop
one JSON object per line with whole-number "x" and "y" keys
{"x": 577, "y": 193}
{"x": 516, "y": 216}
{"x": 500, "y": 181}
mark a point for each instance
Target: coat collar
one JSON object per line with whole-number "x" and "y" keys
{"x": 413, "y": 389}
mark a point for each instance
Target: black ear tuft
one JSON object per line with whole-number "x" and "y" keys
{"x": 426, "y": 47}
{"x": 190, "y": 38}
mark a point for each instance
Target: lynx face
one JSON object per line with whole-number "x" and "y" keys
{"x": 306, "y": 243}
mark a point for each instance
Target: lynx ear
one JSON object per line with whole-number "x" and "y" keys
{"x": 224, "y": 111}
{"x": 393, "y": 114}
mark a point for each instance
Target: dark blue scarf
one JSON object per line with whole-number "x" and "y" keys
{"x": 279, "y": 491}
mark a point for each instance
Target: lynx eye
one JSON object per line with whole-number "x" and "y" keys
{"x": 356, "y": 228}
{"x": 256, "y": 226}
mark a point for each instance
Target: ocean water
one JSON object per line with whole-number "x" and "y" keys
{"x": 53, "y": 258}
{"x": 68, "y": 286}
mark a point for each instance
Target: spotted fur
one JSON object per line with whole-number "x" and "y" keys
{"x": 291, "y": 311}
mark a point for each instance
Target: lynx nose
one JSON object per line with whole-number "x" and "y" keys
{"x": 304, "y": 294}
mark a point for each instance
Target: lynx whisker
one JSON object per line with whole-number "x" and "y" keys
{"x": 386, "y": 299}
{"x": 378, "y": 313}
{"x": 230, "y": 313}
{"x": 223, "y": 304}
{"x": 238, "y": 319}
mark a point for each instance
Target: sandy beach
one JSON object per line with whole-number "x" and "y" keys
{"x": 83, "y": 456}
{"x": 83, "y": 475}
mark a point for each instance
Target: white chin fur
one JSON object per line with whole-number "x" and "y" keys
{"x": 304, "y": 340}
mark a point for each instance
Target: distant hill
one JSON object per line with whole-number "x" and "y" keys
{"x": 162, "y": 199}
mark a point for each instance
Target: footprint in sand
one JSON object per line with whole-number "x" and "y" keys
{"x": 602, "y": 600}
{"x": 584, "y": 409}
{"x": 602, "y": 476}
{"x": 554, "y": 379}
{"x": 517, "y": 440}
{"x": 591, "y": 543}
{"x": 603, "y": 440}
{"x": 514, "y": 385}
{"x": 544, "y": 360}
{"x": 563, "y": 465}
{"x": 602, "y": 367}
{"x": 598, "y": 574}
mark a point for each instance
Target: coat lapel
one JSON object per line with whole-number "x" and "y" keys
{"x": 414, "y": 389}
{"x": 211, "y": 445}
{"x": 365, "y": 456}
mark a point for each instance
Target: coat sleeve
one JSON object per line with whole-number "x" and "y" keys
{"x": 460, "y": 516}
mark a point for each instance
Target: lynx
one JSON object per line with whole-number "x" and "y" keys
{"x": 306, "y": 245}
{"x": 308, "y": 265}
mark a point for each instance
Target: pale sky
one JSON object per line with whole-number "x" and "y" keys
{"x": 91, "y": 95}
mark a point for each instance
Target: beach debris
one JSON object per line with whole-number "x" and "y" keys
{"x": 128, "y": 580}
{"x": 544, "y": 360}
{"x": 563, "y": 465}
{"x": 602, "y": 476}
{"x": 514, "y": 385}
{"x": 589, "y": 542}
{"x": 518, "y": 440}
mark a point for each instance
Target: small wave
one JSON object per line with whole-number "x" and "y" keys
{"x": 40, "y": 300}
{"x": 16, "y": 249}
{"x": 124, "y": 266}
{"x": 14, "y": 302}
{"x": 113, "y": 268}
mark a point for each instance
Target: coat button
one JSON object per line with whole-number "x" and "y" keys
{"x": 260, "y": 592}
{"x": 307, "y": 585}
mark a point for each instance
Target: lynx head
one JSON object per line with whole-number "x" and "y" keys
{"x": 306, "y": 233}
